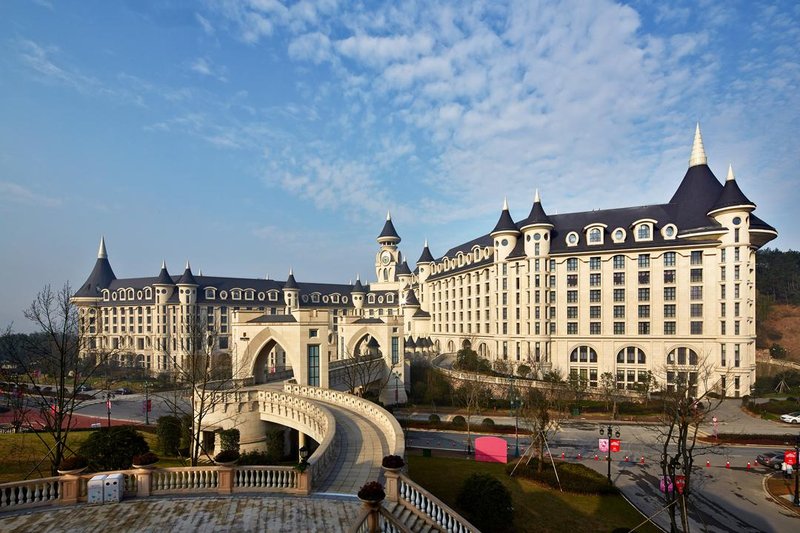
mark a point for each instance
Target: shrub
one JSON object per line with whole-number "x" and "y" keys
{"x": 393, "y": 461}
{"x": 274, "y": 443}
{"x": 488, "y": 422}
{"x": 434, "y": 418}
{"x": 168, "y": 429}
{"x": 227, "y": 456}
{"x": 73, "y": 462}
{"x": 113, "y": 448}
{"x": 256, "y": 458}
{"x": 486, "y": 502}
{"x": 459, "y": 421}
{"x": 229, "y": 439}
{"x": 573, "y": 477}
{"x": 372, "y": 491}
{"x": 143, "y": 459}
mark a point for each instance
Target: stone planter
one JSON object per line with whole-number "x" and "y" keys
{"x": 144, "y": 467}
{"x": 73, "y": 472}
{"x": 226, "y": 464}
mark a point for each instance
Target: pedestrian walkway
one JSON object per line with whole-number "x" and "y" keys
{"x": 200, "y": 515}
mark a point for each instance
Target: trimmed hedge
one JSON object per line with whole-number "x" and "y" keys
{"x": 459, "y": 421}
{"x": 574, "y": 477}
{"x": 486, "y": 502}
{"x": 776, "y": 407}
{"x": 256, "y": 459}
{"x": 487, "y": 422}
{"x": 434, "y": 418}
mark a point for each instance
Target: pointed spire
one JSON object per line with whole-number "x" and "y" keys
{"x": 698, "y": 156}
{"x": 536, "y": 196}
{"x": 505, "y": 224}
{"x": 388, "y": 235}
{"x": 101, "y": 252}
{"x": 426, "y": 256}
{"x": 188, "y": 266}
{"x": 358, "y": 287}
{"x": 730, "y": 177}
{"x": 505, "y": 203}
{"x": 187, "y": 278}
{"x": 388, "y": 215}
{"x": 291, "y": 283}
{"x": 163, "y": 276}
{"x": 163, "y": 264}
{"x": 426, "y": 243}
{"x": 731, "y": 197}
{"x": 200, "y": 272}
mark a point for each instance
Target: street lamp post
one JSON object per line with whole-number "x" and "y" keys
{"x": 515, "y": 405}
{"x": 796, "y": 473}
{"x": 147, "y": 402}
{"x": 109, "y": 397}
{"x": 608, "y": 457}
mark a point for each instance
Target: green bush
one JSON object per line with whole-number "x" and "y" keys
{"x": 486, "y": 502}
{"x": 574, "y": 477}
{"x": 168, "y": 429}
{"x": 488, "y": 422}
{"x": 775, "y": 407}
{"x": 113, "y": 448}
{"x": 459, "y": 421}
{"x": 434, "y": 418}
{"x": 256, "y": 459}
{"x": 274, "y": 445}
{"x": 229, "y": 439}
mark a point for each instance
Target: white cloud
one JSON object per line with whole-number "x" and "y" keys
{"x": 205, "y": 67}
{"x": 15, "y": 193}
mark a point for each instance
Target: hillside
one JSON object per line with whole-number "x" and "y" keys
{"x": 782, "y": 327}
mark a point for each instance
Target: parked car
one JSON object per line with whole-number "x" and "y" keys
{"x": 83, "y": 388}
{"x": 123, "y": 390}
{"x": 770, "y": 459}
{"x": 791, "y": 418}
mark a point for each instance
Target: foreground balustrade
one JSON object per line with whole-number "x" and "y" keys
{"x": 141, "y": 483}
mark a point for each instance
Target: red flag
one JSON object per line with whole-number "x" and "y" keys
{"x": 108, "y": 404}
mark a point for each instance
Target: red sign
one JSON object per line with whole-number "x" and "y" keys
{"x": 680, "y": 482}
{"x": 666, "y": 485}
{"x": 790, "y": 457}
{"x": 615, "y": 445}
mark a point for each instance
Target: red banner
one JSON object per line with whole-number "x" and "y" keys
{"x": 615, "y": 445}
{"x": 790, "y": 457}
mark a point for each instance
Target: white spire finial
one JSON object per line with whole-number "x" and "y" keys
{"x": 388, "y": 215}
{"x": 730, "y": 177}
{"x": 200, "y": 272}
{"x": 426, "y": 243}
{"x": 188, "y": 266}
{"x": 536, "y": 198}
{"x": 101, "y": 252}
{"x": 505, "y": 203}
{"x": 267, "y": 276}
{"x": 290, "y": 271}
{"x": 358, "y": 277}
{"x": 698, "y": 156}
{"x": 163, "y": 264}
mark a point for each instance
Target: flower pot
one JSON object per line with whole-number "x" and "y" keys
{"x": 395, "y": 470}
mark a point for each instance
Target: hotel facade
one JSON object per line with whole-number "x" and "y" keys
{"x": 667, "y": 288}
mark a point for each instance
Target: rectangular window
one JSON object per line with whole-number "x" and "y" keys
{"x": 594, "y": 295}
{"x": 736, "y": 235}
{"x": 736, "y": 291}
{"x": 572, "y": 264}
{"x": 619, "y": 262}
{"x": 644, "y": 277}
{"x": 722, "y": 328}
{"x": 644, "y": 328}
{"x": 395, "y": 350}
{"x": 644, "y": 295}
{"x": 669, "y": 310}
{"x": 313, "y": 333}
{"x": 313, "y": 365}
{"x": 594, "y": 280}
{"x": 696, "y": 292}
{"x": 736, "y": 328}
{"x": 572, "y": 328}
{"x": 572, "y": 297}
{"x": 669, "y": 276}
{"x": 644, "y": 260}
{"x": 594, "y": 311}
{"x": 736, "y": 354}
{"x": 572, "y": 312}
{"x": 736, "y": 273}
{"x": 619, "y": 278}
{"x": 669, "y": 259}
{"x": 722, "y": 355}
{"x": 644, "y": 311}
{"x": 722, "y": 273}
{"x": 619, "y": 295}
{"x": 594, "y": 263}
{"x": 572, "y": 280}
{"x": 696, "y": 327}
{"x": 669, "y": 328}
{"x": 696, "y": 275}
{"x": 619, "y": 328}
{"x": 594, "y": 328}
{"x": 697, "y": 257}
{"x": 696, "y": 310}
{"x": 736, "y": 254}
{"x": 619, "y": 311}
{"x": 736, "y": 309}
{"x": 723, "y": 292}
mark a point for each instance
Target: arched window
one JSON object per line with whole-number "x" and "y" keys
{"x": 631, "y": 355}
{"x": 583, "y": 354}
{"x": 682, "y": 356}
{"x": 643, "y": 232}
{"x": 595, "y": 236}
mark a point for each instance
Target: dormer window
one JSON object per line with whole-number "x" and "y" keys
{"x": 248, "y": 294}
{"x": 273, "y": 296}
{"x": 211, "y": 293}
{"x": 643, "y": 229}
{"x": 105, "y": 295}
{"x": 595, "y": 236}
{"x": 148, "y": 293}
{"x": 643, "y": 232}
{"x": 390, "y": 298}
{"x": 130, "y": 294}
{"x": 371, "y": 299}
{"x": 618, "y": 235}
{"x": 261, "y": 296}
{"x": 223, "y": 295}
{"x": 572, "y": 239}
{"x": 669, "y": 231}
{"x": 334, "y": 298}
{"x": 236, "y": 294}
{"x": 315, "y": 297}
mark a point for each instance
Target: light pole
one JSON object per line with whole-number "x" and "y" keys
{"x": 608, "y": 457}
{"x": 147, "y": 402}
{"x": 796, "y": 473}
{"x": 109, "y": 397}
{"x": 515, "y": 405}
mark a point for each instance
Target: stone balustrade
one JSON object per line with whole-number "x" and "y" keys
{"x": 383, "y": 418}
{"x": 29, "y": 493}
{"x": 402, "y": 490}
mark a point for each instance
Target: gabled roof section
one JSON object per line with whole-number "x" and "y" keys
{"x": 505, "y": 224}
{"x": 101, "y": 276}
{"x": 731, "y": 195}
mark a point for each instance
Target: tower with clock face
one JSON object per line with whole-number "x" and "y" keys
{"x": 388, "y": 257}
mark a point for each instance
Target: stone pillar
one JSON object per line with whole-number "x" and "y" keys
{"x": 392, "y": 487}
{"x": 68, "y": 489}
{"x": 304, "y": 482}
{"x": 301, "y": 441}
{"x": 143, "y": 483}
{"x": 225, "y": 479}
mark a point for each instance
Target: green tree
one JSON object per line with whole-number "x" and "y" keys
{"x": 113, "y": 448}
{"x": 168, "y": 429}
{"x": 486, "y": 502}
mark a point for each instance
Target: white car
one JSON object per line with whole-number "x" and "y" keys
{"x": 791, "y": 418}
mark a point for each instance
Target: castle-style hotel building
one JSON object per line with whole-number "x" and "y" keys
{"x": 668, "y": 288}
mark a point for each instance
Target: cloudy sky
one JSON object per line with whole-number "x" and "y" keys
{"x": 251, "y": 136}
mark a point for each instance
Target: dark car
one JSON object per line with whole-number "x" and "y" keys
{"x": 122, "y": 390}
{"x": 83, "y": 388}
{"x": 770, "y": 459}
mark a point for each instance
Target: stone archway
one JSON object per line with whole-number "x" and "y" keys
{"x": 482, "y": 350}
{"x": 271, "y": 360}
{"x": 451, "y": 346}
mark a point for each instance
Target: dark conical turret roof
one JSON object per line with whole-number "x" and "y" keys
{"x": 187, "y": 278}
{"x": 537, "y": 215}
{"x": 410, "y": 343}
{"x": 290, "y": 282}
{"x": 505, "y": 223}
{"x": 358, "y": 287}
{"x": 731, "y": 195}
{"x": 695, "y": 197}
{"x": 411, "y": 298}
{"x": 426, "y": 256}
{"x": 389, "y": 234}
{"x": 403, "y": 270}
{"x": 163, "y": 276}
{"x": 101, "y": 276}
{"x": 373, "y": 343}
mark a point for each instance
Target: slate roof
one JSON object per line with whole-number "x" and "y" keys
{"x": 100, "y": 278}
{"x": 403, "y": 270}
{"x": 505, "y": 223}
{"x": 730, "y": 196}
{"x": 290, "y": 282}
{"x": 411, "y": 298}
{"x": 368, "y": 321}
{"x": 421, "y": 314}
{"x": 187, "y": 278}
{"x": 272, "y": 319}
{"x": 388, "y": 232}
{"x": 426, "y": 256}
{"x": 358, "y": 287}
{"x": 163, "y": 277}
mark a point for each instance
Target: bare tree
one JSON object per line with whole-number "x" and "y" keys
{"x": 611, "y": 392}
{"x": 542, "y": 412}
{"x": 62, "y": 350}
{"x": 357, "y": 371}
{"x": 473, "y": 395}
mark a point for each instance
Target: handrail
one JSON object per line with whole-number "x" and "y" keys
{"x": 29, "y": 493}
{"x": 376, "y": 413}
{"x": 432, "y": 509}
{"x": 387, "y": 522}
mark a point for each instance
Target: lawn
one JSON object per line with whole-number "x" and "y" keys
{"x": 21, "y": 453}
{"x": 536, "y": 508}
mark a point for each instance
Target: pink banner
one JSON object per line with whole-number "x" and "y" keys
{"x": 491, "y": 450}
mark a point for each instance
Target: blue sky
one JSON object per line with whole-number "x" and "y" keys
{"x": 251, "y": 136}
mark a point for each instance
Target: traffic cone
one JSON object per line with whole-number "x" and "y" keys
{"x": 626, "y": 458}
{"x": 595, "y": 457}
{"x": 643, "y": 459}
{"x": 708, "y": 463}
{"x": 562, "y": 455}
{"x": 748, "y": 465}
{"x": 727, "y": 464}
{"x": 579, "y": 456}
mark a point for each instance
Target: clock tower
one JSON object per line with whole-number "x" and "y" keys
{"x": 388, "y": 257}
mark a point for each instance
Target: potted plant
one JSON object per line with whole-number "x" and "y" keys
{"x": 73, "y": 465}
{"x": 393, "y": 463}
{"x": 226, "y": 458}
{"x": 144, "y": 460}
{"x": 371, "y": 492}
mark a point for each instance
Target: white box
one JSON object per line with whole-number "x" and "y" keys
{"x": 94, "y": 489}
{"x": 113, "y": 487}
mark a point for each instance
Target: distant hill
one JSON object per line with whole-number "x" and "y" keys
{"x": 778, "y": 301}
